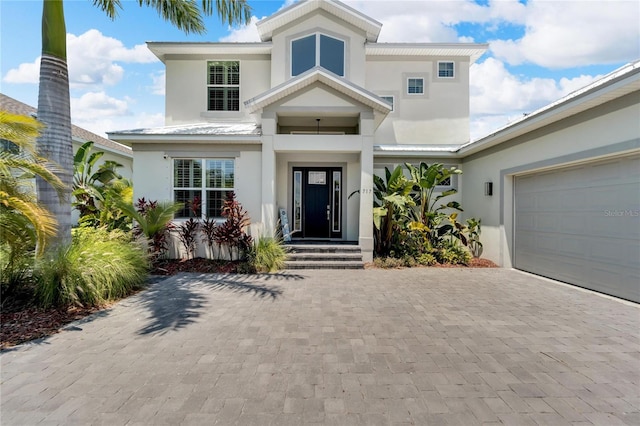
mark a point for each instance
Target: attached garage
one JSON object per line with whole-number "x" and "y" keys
{"x": 581, "y": 225}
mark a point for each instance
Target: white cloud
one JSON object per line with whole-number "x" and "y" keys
{"x": 247, "y": 33}
{"x": 497, "y": 96}
{"x": 28, "y": 72}
{"x": 91, "y": 59}
{"x": 565, "y": 34}
{"x": 101, "y": 113}
{"x": 159, "y": 82}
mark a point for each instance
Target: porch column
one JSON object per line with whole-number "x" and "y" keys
{"x": 366, "y": 187}
{"x": 269, "y": 214}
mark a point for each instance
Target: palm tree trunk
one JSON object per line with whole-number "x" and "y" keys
{"x": 54, "y": 108}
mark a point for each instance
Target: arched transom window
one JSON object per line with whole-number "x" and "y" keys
{"x": 317, "y": 50}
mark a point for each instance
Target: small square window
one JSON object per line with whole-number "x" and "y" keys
{"x": 390, "y": 100}
{"x": 446, "y": 70}
{"x": 415, "y": 86}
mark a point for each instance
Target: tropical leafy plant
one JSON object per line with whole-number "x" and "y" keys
{"x": 91, "y": 182}
{"x": 54, "y": 99}
{"x": 473, "y": 236}
{"x": 96, "y": 267}
{"x": 390, "y": 206}
{"x": 209, "y": 234}
{"x": 22, "y": 219}
{"x": 231, "y": 232}
{"x": 425, "y": 179}
{"x": 153, "y": 222}
{"x": 187, "y": 234}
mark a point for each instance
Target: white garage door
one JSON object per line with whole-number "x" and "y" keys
{"x": 581, "y": 225}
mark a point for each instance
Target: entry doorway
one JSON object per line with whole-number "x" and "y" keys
{"x": 317, "y": 202}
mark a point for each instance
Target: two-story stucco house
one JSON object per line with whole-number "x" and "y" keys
{"x": 302, "y": 119}
{"x": 299, "y": 120}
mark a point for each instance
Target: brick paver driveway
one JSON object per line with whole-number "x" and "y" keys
{"x": 420, "y": 346}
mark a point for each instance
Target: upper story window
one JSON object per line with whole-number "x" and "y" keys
{"x": 389, "y": 99}
{"x": 446, "y": 70}
{"x": 317, "y": 50}
{"x": 415, "y": 86}
{"x": 223, "y": 86}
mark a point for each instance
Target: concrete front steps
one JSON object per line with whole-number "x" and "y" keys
{"x": 324, "y": 256}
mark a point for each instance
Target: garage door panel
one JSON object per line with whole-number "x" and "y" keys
{"x": 580, "y": 225}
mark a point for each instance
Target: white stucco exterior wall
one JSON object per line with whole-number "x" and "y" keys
{"x": 439, "y": 116}
{"x": 186, "y": 88}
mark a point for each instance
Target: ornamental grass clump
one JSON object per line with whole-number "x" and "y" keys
{"x": 98, "y": 266}
{"x": 269, "y": 255}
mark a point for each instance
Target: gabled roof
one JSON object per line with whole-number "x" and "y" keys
{"x": 318, "y": 74}
{"x": 267, "y": 26}
{"x": 79, "y": 134}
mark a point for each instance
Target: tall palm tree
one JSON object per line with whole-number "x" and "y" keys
{"x": 54, "y": 142}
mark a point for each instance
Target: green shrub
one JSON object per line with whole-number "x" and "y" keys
{"x": 269, "y": 254}
{"x": 388, "y": 262}
{"x": 96, "y": 267}
{"x": 452, "y": 253}
{"x": 427, "y": 259}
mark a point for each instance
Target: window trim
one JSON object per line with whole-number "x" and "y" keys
{"x": 317, "y": 35}
{"x": 204, "y": 188}
{"x": 453, "y": 70}
{"x": 224, "y": 86}
{"x": 415, "y": 93}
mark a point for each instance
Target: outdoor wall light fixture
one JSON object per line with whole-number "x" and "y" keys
{"x": 488, "y": 189}
{"x": 318, "y": 131}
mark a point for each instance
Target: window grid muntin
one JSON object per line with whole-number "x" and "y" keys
{"x": 218, "y": 176}
{"x": 415, "y": 86}
{"x": 446, "y": 69}
{"x": 223, "y": 90}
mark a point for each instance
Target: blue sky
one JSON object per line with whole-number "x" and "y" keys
{"x": 540, "y": 51}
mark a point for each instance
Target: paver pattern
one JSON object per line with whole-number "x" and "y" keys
{"x": 374, "y": 347}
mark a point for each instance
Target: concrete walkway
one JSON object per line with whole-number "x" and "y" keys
{"x": 373, "y": 347}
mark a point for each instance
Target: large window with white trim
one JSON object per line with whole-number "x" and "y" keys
{"x": 202, "y": 185}
{"x": 317, "y": 50}
{"x": 223, "y": 86}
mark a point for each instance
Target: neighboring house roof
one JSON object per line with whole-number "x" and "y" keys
{"x": 79, "y": 134}
{"x": 205, "y": 132}
{"x": 321, "y": 75}
{"x": 289, "y": 14}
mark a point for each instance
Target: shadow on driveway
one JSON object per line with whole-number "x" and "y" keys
{"x": 176, "y": 302}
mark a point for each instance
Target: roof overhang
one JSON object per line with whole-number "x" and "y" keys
{"x": 471, "y": 50}
{"x": 310, "y": 77}
{"x": 267, "y": 26}
{"x": 421, "y": 151}
{"x": 620, "y": 82}
{"x": 229, "y": 133}
{"x": 165, "y": 50}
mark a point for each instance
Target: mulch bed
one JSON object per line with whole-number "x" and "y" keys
{"x": 19, "y": 324}
{"x": 32, "y": 323}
